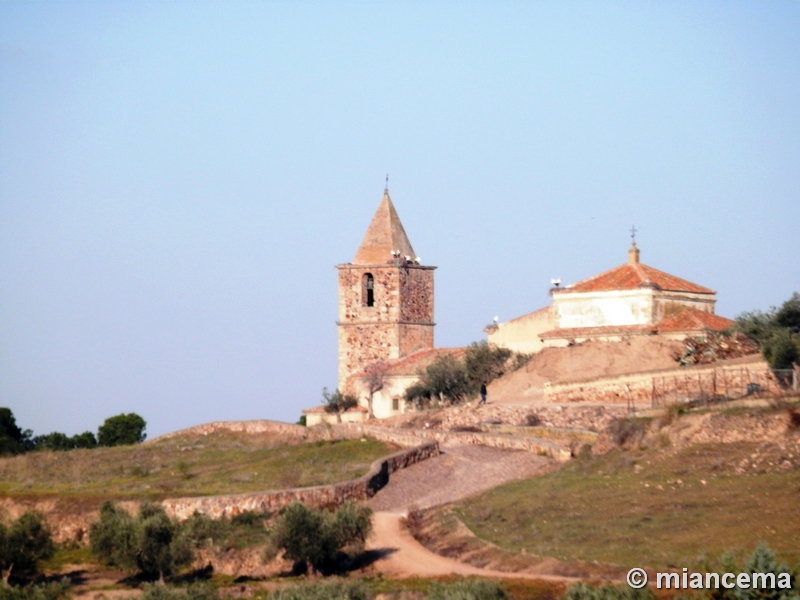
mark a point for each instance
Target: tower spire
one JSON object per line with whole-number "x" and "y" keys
{"x": 385, "y": 236}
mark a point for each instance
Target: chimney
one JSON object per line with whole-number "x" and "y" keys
{"x": 633, "y": 255}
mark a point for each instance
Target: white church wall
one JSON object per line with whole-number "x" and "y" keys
{"x": 601, "y": 309}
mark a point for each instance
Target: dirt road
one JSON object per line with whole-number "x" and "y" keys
{"x": 460, "y": 472}
{"x": 403, "y": 556}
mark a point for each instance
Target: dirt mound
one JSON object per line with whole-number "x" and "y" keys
{"x": 584, "y": 361}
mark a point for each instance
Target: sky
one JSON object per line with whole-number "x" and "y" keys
{"x": 178, "y": 180}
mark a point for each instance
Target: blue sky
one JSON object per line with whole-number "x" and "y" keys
{"x": 178, "y": 180}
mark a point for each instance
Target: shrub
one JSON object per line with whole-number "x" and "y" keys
{"x": 122, "y": 430}
{"x": 48, "y": 591}
{"x": 623, "y": 431}
{"x": 60, "y": 441}
{"x": 328, "y": 590}
{"x": 151, "y": 543}
{"x": 777, "y": 332}
{"x": 313, "y": 538}
{"x": 23, "y": 544}
{"x": 583, "y": 591}
{"x": 762, "y": 560}
{"x": 780, "y": 349}
{"x": 196, "y": 591}
{"x": 467, "y": 589}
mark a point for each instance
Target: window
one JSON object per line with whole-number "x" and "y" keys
{"x": 368, "y": 291}
{"x": 395, "y": 403}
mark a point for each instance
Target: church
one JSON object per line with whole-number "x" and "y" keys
{"x": 385, "y": 324}
{"x": 385, "y": 321}
{"x": 632, "y": 299}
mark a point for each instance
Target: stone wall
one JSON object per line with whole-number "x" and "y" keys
{"x": 493, "y": 440}
{"x": 324, "y": 496}
{"x": 660, "y": 388}
{"x": 248, "y": 427}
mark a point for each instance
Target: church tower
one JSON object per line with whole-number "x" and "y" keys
{"x": 385, "y": 298}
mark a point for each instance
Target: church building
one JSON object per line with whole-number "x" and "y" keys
{"x": 385, "y": 323}
{"x": 630, "y": 300}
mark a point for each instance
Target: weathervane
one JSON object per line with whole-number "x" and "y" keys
{"x": 633, "y": 234}
{"x": 386, "y": 188}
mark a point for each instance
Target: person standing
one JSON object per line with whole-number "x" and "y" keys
{"x": 483, "y": 393}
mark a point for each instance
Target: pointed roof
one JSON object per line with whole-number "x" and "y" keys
{"x": 634, "y": 275}
{"x": 384, "y": 234}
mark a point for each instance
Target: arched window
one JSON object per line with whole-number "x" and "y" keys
{"x": 368, "y": 291}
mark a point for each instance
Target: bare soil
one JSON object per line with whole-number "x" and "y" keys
{"x": 584, "y": 361}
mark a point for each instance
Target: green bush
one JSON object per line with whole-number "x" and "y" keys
{"x": 23, "y": 544}
{"x": 467, "y": 589}
{"x": 48, "y": 591}
{"x": 60, "y": 441}
{"x": 152, "y": 543}
{"x": 326, "y": 590}
{"x": 777, "y": 332}
{"x": 762, "y": 560}
{"x": 197, "y": 591}
{"x": 122, "y": 430}
{"x": 313, "y": 538}
{"x": 583, "y": 591}
{"x": 336, "y": 402}
{"x": 456, "y": 380}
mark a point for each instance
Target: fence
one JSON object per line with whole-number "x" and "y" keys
{"x": 704, "y": 387}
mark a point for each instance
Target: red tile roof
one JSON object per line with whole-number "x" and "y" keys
{"x": 416, "y": 361}
{"x": 691, "y": 319}
{"x": 631, "y": 276}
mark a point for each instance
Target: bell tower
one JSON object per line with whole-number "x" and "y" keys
{"x": 385, "y": 298}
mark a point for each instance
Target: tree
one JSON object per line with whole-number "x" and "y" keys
{"x": 485, "y": 363}
{"x": 151, "y": 543}
{"x": 122, "y": 430}
{"x": 336, "y": 402}
{"x": 375, "y": 379}
{"x": 24, "y": 544}
{"x": 446, "y": 377}
{"x": 313, "y": 538}
{"x": 12, "y": 439}
{"x": 777, "y": 332}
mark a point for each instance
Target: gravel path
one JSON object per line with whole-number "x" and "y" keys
{"x": 459, "y": 472}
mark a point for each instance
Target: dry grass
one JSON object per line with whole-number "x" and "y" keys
{"x": 650, "y": 508}
{"x": 221, "y": 463}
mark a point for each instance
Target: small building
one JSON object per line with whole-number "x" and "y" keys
{"x": 630, "y": 300}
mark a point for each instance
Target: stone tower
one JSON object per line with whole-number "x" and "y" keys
{"x": 385, "y": 298}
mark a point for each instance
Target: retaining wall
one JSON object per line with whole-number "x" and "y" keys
{"x": 324, "y": 496}
{"x": 493, "y": 440}
{"x": 249, "y": 427}
{"x": 659, "y": 388}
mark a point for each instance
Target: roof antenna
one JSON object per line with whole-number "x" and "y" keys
{"x": 386, "y": 188}
{"x": 633, "y": 234}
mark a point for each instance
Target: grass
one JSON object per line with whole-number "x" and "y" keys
{"x": 221, "y": 463}
{"x": 649, "y": 508}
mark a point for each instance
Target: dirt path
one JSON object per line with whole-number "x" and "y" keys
{"x": 460, "y": 472}
{"x": 403, "y": 556}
